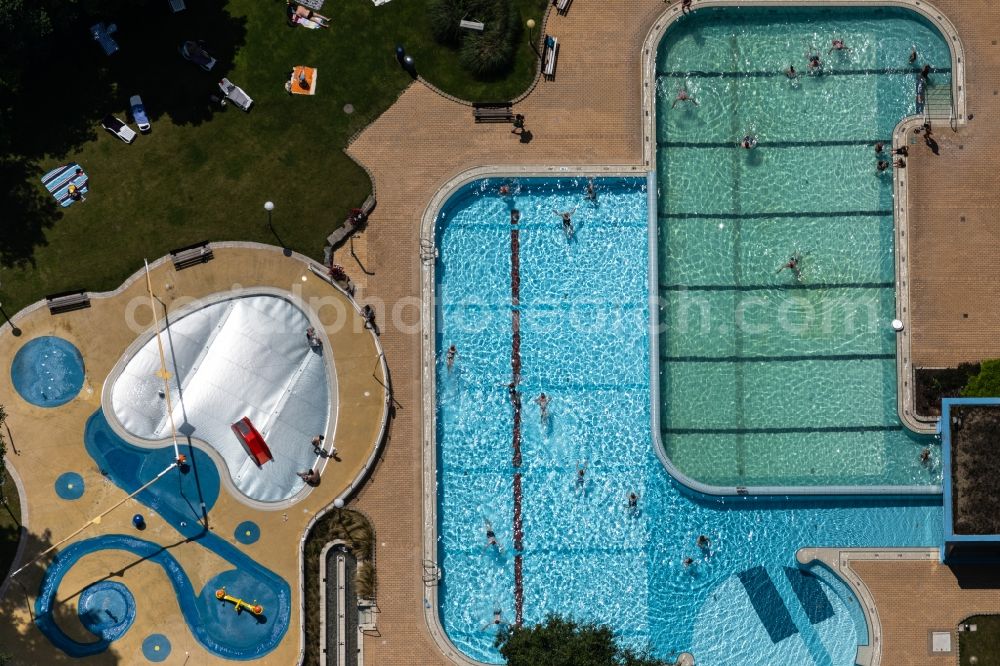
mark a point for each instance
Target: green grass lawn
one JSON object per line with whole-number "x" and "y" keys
{"x": 204, "y": 173}
{"x": 983, "y": 643}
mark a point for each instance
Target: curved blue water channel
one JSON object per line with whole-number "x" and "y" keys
{"x": 180, "y": 499}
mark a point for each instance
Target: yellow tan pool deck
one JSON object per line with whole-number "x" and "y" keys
{"x": 591, "y": 114}
{"x": 49, "y": 442}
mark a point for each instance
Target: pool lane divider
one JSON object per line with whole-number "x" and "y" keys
{"x": 515, "y": 397}
{"x": 776, "y": 73}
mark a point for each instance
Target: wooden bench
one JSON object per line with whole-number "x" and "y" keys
{"x": 562, "y": 6}
{"x": 192, "y": 255}
{"x": 67, "y": 301}
{"x": 340, "y": 234}
{"x": 549, "y": 56}
{"x": 369, "y": 205}
{"x": 352, "y": 224}
{"x": 471, "y": 25}
{"x": 492, "y": 113}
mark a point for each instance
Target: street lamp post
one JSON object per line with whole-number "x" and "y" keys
{"x": 531, "y": 26}
{"x": 269, "y": 206}
{"x": 14, "y": 329}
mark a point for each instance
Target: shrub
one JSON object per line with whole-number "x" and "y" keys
{"x": 986, "y": 384}
{"x": 364, "y": 580}
{"x": 444, "y": 16}
{"x": 486, "y": 53}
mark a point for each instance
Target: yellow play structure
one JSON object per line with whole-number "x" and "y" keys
{"x": 238, "y": 604}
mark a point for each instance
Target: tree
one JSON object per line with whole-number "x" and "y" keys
{"x": 3, "y": 456}
{"x": 561, "y": 641}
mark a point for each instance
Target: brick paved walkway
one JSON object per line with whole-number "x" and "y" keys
{"x": 591, "y": 114}
{"x": 915, "y": 598}
{"x": 953, "y": 202}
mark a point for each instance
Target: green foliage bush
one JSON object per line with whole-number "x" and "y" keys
{"x": 986, "y": 384}
{"x": 364, "y": 580}
{"x": 562, "y": 642}
{"x": 484, "y": 54}
{"x": 444, "y": 16}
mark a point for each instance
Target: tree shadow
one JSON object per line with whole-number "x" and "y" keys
{"x": 57, "y": 85}
{"x": 977, "y": 576}
{"x": 21, "y": 642}
{"x": 28, "y": 211}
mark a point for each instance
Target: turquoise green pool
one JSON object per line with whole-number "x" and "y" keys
{"x": 772, "y": 376}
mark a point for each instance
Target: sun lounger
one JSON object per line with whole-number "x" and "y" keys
{"x": 549, "y": 57}
{"x": 235, "y": 94}
{"x": 562, "y": 6}
{"x": 101, "y": 32}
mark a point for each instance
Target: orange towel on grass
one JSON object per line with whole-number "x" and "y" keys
{"x": 309, "y": 86}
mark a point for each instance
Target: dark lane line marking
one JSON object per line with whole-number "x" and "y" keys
{"x": 515, "y": 366}
{"x": 775, "y": 214}
{"x": 764, "y": 74}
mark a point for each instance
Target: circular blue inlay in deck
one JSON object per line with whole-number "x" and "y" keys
{"x": 156, "y": 647}
{"x": 48, "y": 371}
{"x": 107, "y": 609}
{"x": 247, "y": 532}
{"x": 69, "y": 486}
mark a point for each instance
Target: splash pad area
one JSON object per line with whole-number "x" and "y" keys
{"x": 147, "y": 591}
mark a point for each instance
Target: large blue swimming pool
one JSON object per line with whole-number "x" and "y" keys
{"x": 582, "y": 318}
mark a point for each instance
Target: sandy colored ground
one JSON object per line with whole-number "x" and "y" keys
{"x": 49, "y": 442}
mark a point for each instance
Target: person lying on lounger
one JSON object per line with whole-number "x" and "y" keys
{"x": 310, "y": 15}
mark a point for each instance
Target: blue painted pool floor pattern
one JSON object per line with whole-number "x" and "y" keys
{"x": 179, "y": 499}
{"x": 70, "y": 486}
{"x": 156, "y": 648}
{"x": 106, "y": 609}
{"x": 48, "y": 371}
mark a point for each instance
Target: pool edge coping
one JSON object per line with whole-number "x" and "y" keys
{"x": 650, "y": 48}
{"x": 838, "y": 561}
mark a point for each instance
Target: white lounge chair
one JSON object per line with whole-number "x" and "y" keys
{"x": 194, "y": 52}
{"x": 235, "y": 94}
{"x": 118, "y": 128}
